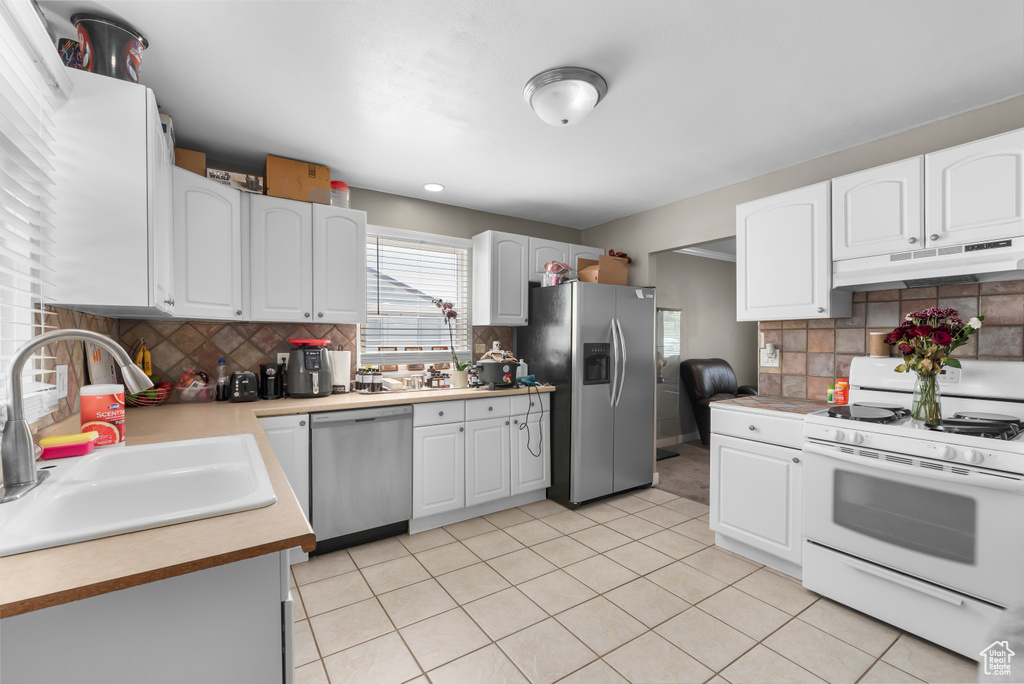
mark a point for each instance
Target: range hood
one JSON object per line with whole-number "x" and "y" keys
{"x": 970, "y": 263}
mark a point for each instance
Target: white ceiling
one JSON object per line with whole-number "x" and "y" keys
{"x": 702, "y": 93}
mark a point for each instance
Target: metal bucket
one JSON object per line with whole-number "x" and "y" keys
{"x": 109, "y": 48}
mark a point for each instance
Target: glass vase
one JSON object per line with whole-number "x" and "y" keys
{"x": 926, "y": 409}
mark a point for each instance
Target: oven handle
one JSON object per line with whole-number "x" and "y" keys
{"x": 1004, "y": 484}
{"x": 896, "y": 578}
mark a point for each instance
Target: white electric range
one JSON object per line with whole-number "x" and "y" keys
{"x": 920, "y": 527}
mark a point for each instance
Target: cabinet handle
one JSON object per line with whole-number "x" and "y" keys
{"x": 516, "y": 421}
{"x": 440, "y": 413}
{"x": 320, "y": 315}
{"x": 912, "y": 240}
{"x": 821, "y": 309}
{"x": 751, "y": 428}
{"x": 302, "y": 423}
{"x": 462, "y": 429}
{"x": 490, "y": 408}
{"x": 506, "y": 422}
{"x": 238, "y": 313}
{"x": 933, "y": 236}
{"x": 796, "y": 460}
{"x": 306, "y": 314}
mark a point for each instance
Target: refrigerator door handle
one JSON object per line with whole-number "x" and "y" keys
{"x": 622, "y": 372}
{"x": 615, "y": 360}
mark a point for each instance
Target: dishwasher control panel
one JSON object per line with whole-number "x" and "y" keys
{"x": 357, "y": 414}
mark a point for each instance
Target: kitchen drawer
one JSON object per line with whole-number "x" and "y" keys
{"x": 954, "y": 621}
{"x": 438, "y": 413}
{"x": 482, "y": 409}
{"x": 523, "y": 402}
{"x": 759, "y": 427}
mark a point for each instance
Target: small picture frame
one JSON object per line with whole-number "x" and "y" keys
{"x": 441, "y": 366}
{"x": 390, "y": 368}
{"x": 415, "y": 366}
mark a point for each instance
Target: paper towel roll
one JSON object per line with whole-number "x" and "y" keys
{"x": 341, "y": 369}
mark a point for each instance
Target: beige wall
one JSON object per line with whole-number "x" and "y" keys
{"x": 712, "y": 215}
{"x": 409, "y": 213}
{"x": 704, "y": 290}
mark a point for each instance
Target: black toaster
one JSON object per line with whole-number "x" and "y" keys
{"x": 243, "y": 386}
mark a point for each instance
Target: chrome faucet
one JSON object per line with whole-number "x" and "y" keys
{"x": 17, "y": 450}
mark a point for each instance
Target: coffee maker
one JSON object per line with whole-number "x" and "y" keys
{"x": 309, "y": 369}
{"x": 271, "y": 380}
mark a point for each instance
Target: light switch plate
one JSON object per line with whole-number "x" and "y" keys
{"x": 770, "y": 362}
{"x": 282, "y": 357}
{"x": 62, "y": 381}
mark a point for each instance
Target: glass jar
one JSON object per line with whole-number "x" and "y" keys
{"x": 339, "y": 194}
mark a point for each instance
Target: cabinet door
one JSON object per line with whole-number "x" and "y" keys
{"x": 289, "y": 438}
{"x": 975, "y": 192}
{"x": 488, "y": 458}
{"x": 543, "y": 251}
{"x": 577, "y": 252}
{"x": 438, "y": 469}
{"x": 282, "y": 259}
{"x": 339, "y": 265}
{"x": 531, "y": 452}
{"x": 161, "y": 252}
{"x": 207, "y": 248}
{"x": 878, "y": 211}
{"x": 783, "y": 260}
{"x": 500, "y": 286}
{"x": 755, "y": 495}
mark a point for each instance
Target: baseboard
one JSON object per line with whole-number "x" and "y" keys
{"x": 691, "y": 437}
{"x": 759, "y": 556}
{"x": 434, "y": 521}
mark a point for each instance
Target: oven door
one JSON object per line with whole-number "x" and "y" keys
{"x": 958, "y": 529}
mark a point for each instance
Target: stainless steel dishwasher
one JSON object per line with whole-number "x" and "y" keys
{"x": 360, "y": 475}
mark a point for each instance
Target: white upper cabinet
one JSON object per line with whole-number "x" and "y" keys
{"x": 541, "y": 252}
{"x": 208, "y": 252}
{"x": 500, "y": 279}
{"x": 281, "y": 236}
{"x": 339, "y": 265}
{"x": 975, "y": 192}
{"x": 113, "y": 190}
{"x": 878, "y": 211}
{"x": 784, "y": 260}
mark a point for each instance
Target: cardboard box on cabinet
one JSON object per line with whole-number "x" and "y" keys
{"x": 298, "y": 180}
{"x": 607, "y": 269}
{"x": 190, "y": 160}
{"x": 246, "y": 182}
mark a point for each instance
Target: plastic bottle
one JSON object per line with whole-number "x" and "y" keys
{"x": 222, "y": 380}
{"x": 830, "y": 394}
{"x": 339, "y": 194}
{"x": 842, "y": 393}
{"x": 523, "y": 369}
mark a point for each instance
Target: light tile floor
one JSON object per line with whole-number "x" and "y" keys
{"x": 631, "y": 589}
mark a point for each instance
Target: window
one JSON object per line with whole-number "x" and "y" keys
{"x": 29, "y": 94}
{"x": 405, "y": 272}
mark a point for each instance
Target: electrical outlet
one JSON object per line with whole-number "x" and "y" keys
{"x": 282, "y": 357}
{"x": 62, "y": 381}
{"x": 770, "y": 361}
{"x": 479, "y": 348}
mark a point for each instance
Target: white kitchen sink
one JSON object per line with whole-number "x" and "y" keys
{"x": 117, "y": 490}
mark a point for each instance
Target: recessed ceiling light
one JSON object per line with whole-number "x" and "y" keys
{"x": 433, "y": 187}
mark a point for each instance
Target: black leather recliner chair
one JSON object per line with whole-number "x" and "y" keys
{"x": 708, "y": 380}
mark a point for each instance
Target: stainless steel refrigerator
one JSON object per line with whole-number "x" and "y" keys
{"x": 595, "y": 343}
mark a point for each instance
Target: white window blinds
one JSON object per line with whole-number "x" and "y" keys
{"x": 405, "y": 271}
{"x": 30, "y": 90}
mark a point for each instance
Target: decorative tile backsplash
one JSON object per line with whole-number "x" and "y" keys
{"x": 816, "y": 352}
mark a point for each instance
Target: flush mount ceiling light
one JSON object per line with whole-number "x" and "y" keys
{"x": 433, "y": 187}
{"x": 565, "y": 95}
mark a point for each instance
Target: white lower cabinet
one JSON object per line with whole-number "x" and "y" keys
{"x": 289, "y": 438}
{"x": 230, "y": 623}
{"x": 471, "y": 453}
{"x": 531, "y": 460}
{"x": 488, "y": 459}
{"x": 756, "y": 485}
{"x": 438, "y": 469}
